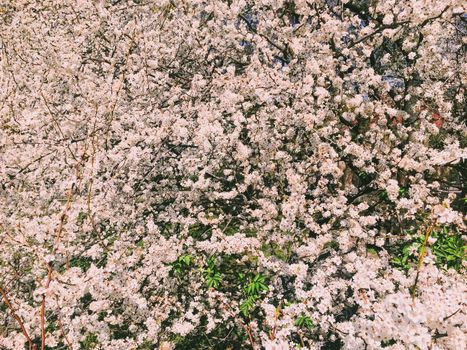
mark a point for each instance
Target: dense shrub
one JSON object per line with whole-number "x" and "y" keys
{"x": 232, "y": 174}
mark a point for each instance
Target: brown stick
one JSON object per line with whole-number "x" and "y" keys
{"x": 245, "y": 325}
{"x": 43, "y": 323}
{"x": 18, "y": 319}
{"x": 49, "y": 278}
{"x": 302, "y": 343}
{"x": 250, "y": 336}
{"x": 60, "y": 325}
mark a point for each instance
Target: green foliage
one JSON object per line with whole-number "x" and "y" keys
{"x": 230, "y": 230}
{"x": 199, "y": 231}
{"x": 404, "y": 259}
{"x": 365, "y": 178}
{"x": 86, "y": 299}
{"x": 147, "y": 345}
{"x": 182, "y": 263}
{"x": 387, "y": 342}
{"x": 437, "y": 140}
{"x": 140, "y": 244}
{"x": 449, "y": 250}
{"x": 120, "y": 331}
{"x": 212, "y": 274}
{"x": 252, "y": 290}
{"x": 372, "y": 251}
{"x": 102, "y": 315}
{"x": 248, "y": 304}
{"x": 331, "y": 245}
{"x": 404, "y": 192}
{"x": 84, "y": 263}
{"x": 274, "y": 249}
{"x": 51, "y": 325}
{"x": 81, "y": 217}
{"x": 256, "y": 285}
{"x": 90, "y": 342}
{"x": 304, "y": 321}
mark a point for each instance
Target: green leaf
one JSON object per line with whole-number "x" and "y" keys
{"x": 211, "y": 274}
{"x": 449, "y": 249}
{"x": 247, "y": 305}
{"x": 303, "y": 321}
{"x": 182, "y": 263}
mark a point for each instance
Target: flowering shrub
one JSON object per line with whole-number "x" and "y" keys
{"x": 232, "y": 174}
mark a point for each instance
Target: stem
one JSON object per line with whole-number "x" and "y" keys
{"x": 250, "y": 336}
{"x": 246, "y": 326}
{"x": 60, "y": 325}
{"x": 49, "y": 278}
{"x": 18, "y": 319}
{"x": 420, "y": 261}
{"x": 43, "y": 323}
{"x": 302, "y": 343}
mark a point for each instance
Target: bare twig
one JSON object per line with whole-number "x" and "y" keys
{"x": 49, "y": 278}
{"x": 18, "y": 319}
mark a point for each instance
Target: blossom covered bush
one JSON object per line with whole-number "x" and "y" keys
{"x": 233, "y": 174}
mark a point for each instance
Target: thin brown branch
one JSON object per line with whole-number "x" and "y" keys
{"x": 49, "y": 278}
{"x": 60, "y": 325}
{"x": 18, "y": 319}
{"x": 378, "y": 30}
